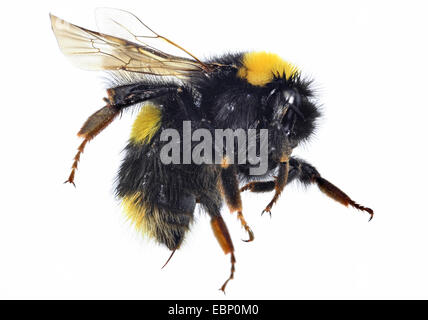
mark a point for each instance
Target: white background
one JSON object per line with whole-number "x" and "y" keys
{"x": 369, "y": 60}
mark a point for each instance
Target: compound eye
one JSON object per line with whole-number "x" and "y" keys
{"x": 291, "y": 97}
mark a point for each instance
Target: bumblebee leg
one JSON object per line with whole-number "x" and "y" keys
{"x": 118, "y": 99}
{"x": 265, "y": 186}
{"x": 280, "y": 182}
{"x": 307, "y": 174}
{"x": 211, "y": 201}
{"x": 130, "y": 94}
{"x": 96, "y": 123}
{"x": 259, "y": 186}
{"x": 230, "y": 188}
{"x": 223, "y": 237}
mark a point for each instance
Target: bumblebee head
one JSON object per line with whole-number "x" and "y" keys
{"x": 286, "y": 96}
{"x": 290, "y": 109}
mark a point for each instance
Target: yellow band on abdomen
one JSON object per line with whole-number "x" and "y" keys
{"x": 147, "y": 124}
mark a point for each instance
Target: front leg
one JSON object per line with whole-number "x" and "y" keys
{"x": 265, "y": 186}
{"x": 259, "y": 186}
{"x": 230, "y": 188}
{"x": 280, "y": 182}
{"x": 307, "y": 174}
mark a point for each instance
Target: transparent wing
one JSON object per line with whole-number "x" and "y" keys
{"x": 126, "y": 25}
{"x": 93, "y": 50}
{"x": 122, "y": 24}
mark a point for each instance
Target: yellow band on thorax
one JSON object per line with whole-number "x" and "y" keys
{"x": 259, "y": 68}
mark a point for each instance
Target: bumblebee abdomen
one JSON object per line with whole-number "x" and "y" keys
{"x": 143, "y": 185}
{"x": 165, "y": 224}
{"x": 159, "y": 199}
{"x": 146, "y": 124}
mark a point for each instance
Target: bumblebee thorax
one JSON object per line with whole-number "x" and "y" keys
{"x": 260, "y": 68}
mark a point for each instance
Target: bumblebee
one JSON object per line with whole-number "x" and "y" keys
{"x": 249, "y": 90}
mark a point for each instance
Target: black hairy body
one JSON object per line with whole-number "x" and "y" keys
{"x": 250, "y": 90}
{"x": 222, "y": 101}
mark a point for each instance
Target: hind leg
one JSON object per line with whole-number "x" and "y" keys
{"x": 118, "y": 99}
